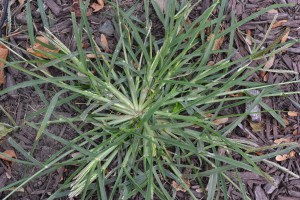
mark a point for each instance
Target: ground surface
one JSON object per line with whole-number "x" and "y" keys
{"x": 25, "y": 101}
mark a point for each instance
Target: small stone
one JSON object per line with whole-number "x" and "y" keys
{"x": 107, "y": 28}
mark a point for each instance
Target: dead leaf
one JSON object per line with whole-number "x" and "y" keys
{"x": 282, "y": 140}
{"x": 259, "y": 153}
{"x": 282, "y": 157}
{"x": 21, "y": 2}
{"x": 285, "y": 37}
{"x": 292, "y": 114}
{"x": 257, "y": 127}
{"x": 268, "y": 65}
{"x": 220, "y": 121}
{"x": 188, "y": 21}
{"x": 273, "y": 11}
{"x": 248, "y": 38}
{"x": 91, "y": 55}
{"x": 266, "y": 77}
{"x": 199, "y": 190}
{"x": 295, "y": 132}
{"x": 285, "y": 120}
{"x": 76, "y": 9}
{"x": 210, "y": 63}
{"x": 3, "y": 56}
{"x": 104, "y": 43}
{"x": 270, "y": 62}
{"x": 41, "y": 45}
{"x": 178, "y": 187}
{"x": 97, "y": 6}
{"x": 162, "y": 5}
{"x": 279, "y": 23}
{"x": 292, "y": 154}
{"x": 211, "y": 36}
{"x": 10, "y": 154}
{"x": 218, "y": 43}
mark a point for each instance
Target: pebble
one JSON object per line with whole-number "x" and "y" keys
{"x": 107, "y": 28}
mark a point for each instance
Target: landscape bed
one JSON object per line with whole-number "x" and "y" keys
{"x": 198, "y": 101}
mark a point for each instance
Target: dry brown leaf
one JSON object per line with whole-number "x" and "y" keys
{"x": 259, "y": 153}
{"x": 199, "y": 190}
{"x": 266, "y": 77}
{"x": 257, "y": 127}
{"x": 279, "y": 23}
{"x": 178, "y": 187}
{"x": 282, "y": 157}
{"x": 218, "y": 43}
{"x": 285, "y": 37}
{"x": 273, "y": 11}
{"x": 282, "y": 140}
{"x": 210, "y": 63}
{"x": 76, "y": 9}
{"x": 270, "y": 62}
{"x": 21, "y": 2}
{"x": 3, "y": 56}
{"x": 285, "y": 120}
{"x": 104, "y": 43}
{"x": 267, "y": 66}
{"x": 188, "y": 21}
{"x": 97, "y": 6}
{"x": 162, "y": 5}
{"x": 91, "y": 55}
{"x": 10, "y": 154}
{"x": 292, "y": 114}
{"x": 41, "y": 47}
{"x": 248, "y": 38}
{"x": 292, "y": 154}
{"x": 295, "y": 132}
{"x": 220, "y": 121}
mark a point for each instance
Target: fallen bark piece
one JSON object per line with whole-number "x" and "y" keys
{"x": 270, "y": 187}
{"x": 260, "y": 194}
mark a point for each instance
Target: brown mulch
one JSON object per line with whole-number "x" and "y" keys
{"x": 26, "y": 101}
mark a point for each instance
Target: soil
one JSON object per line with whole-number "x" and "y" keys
{"x": 26, "y": 101}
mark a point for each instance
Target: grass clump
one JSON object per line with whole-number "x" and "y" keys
{"x": 153, "y": 104}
